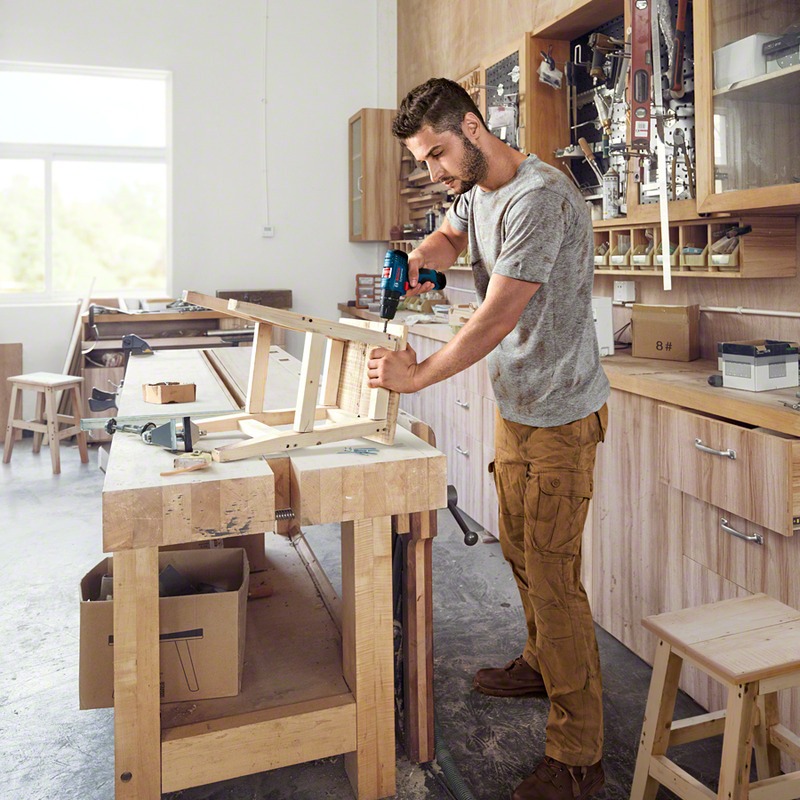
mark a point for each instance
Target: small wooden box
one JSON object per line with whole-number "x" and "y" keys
{"x": 169, "y": 392}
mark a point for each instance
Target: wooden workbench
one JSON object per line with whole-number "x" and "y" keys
{"x": 307, "y": 692}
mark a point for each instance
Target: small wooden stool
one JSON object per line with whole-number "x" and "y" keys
{"x": 751, "y": 645}
{"x": 48, "y": 420}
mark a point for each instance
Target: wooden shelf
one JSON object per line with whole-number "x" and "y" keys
{"x": 278, "y": 668}
{"x": 782, "y": 86}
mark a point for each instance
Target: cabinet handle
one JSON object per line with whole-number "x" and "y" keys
{"x": 360, "y": 190}
{"x": 731, "y": 454}
{"x": 461, "y": 404}
{"x": 756, "y": 537}
{"x": 462, "y": 452}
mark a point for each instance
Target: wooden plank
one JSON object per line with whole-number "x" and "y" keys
{"x": 10, "y": 364}
{"x": 367, "y": 653}
{"x": 137, "y": 745}
{"x": 766, "y": 737}
{"x": 694, "y": 729}
{"x": 781, "y": 787}
{"x": 657, "y": 721}
{"x": 262, "y": 740}
{"x": 308, "y": 387}
{"x": 294, "y": 321}
{"x": 332, "y": 372}
{"x": 259, "y": 363}
{"x": 678, "y": 780}
{"x": 734, "y": 774}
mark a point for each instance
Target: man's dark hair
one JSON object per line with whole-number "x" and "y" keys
{"x": 440, "y": 103}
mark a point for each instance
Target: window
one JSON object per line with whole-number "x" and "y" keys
{"x": 84, "y": 182}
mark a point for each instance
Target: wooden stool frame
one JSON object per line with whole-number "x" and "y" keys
{"x": 47, "y": 420}
{"x": 749, "y": 723}
{"x": 340, "y": 350}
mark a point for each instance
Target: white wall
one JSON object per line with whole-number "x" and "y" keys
{"x": 324, "y": 61}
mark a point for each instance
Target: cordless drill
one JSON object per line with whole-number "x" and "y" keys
{"x": 394, "y": 282}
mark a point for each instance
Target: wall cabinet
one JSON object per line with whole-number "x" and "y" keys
{"x": 374, "y": 167}
{"x": 748, "y": 111}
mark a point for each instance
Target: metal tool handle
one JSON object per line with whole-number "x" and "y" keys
{"x": 462, "y": 404}
{"x": 756, "y": 537}
{"x": 360, "y": 190}
{"x": 731, "y": 454}
{"x": 461, "y": 452}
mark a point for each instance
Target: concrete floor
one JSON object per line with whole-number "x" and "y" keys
{"x": 50, "y": 537}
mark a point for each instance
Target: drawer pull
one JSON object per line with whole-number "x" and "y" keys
{"x": 461, "y": 404}
{"x": 462, "y": 452}
{"x": 731, "y": 454}
{"x": 756, "y": 537}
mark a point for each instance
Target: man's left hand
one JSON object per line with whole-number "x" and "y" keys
{"x": 396, "y": 370}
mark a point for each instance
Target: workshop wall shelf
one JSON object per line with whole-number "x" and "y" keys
{"x": 768, "y": 251}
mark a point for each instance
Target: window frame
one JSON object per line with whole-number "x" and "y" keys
{"x": 53, "y": 152}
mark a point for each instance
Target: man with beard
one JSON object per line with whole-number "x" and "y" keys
{"x": 530, "y": 239}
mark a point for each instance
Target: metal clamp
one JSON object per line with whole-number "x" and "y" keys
{"x": 462, "y": 452}
{"x": 756, "y": 537}
{"x": 462, "y": 404}
{"x": 731, "y": 454}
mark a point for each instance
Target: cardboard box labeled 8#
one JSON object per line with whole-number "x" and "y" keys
{"x": 201, "y": 635}
{"x": 668, "y": 332}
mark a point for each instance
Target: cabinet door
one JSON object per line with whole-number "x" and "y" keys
{"x": 749, "y": 104}
{"x": 374, "y": 175}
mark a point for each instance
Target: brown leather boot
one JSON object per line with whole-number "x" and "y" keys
{"x": 515, "y": 679}
{"x": 553, "y": 780}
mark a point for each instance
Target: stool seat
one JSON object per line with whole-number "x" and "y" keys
{"x": 751, "y": 645}
{"x": 50, "y": 379}
{"x": 742, "y": 640}
{"x": 48, "y": 421}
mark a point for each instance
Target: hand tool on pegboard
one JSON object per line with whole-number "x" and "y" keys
{"x": 676, "y": 80}
{"x": 641, "y": 72}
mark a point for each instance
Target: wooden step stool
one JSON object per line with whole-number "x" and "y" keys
{"x": 48, "y": 420}
{"x": 751, "y": 645}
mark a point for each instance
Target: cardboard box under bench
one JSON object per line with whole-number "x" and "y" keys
{"x": 202, "y": 635}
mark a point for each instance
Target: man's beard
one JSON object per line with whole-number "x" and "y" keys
{"x": 473, "y": 166}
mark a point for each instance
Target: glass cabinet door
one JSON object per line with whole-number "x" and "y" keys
{"x": 356, "y": 194}
{"x": 747, "y": 67}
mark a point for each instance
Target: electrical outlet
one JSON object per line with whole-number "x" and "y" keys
{"x": 267, "y": 232}
{"x": 624, "y": 291}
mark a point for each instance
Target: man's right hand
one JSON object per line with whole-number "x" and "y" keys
{"x": 438, "y": 251}
{"x": 416, "y": 262}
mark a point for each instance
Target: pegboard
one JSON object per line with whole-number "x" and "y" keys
{"x": 502, "y": 106}
{"x": 679, "y": 114}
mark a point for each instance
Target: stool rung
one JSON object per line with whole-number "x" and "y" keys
{"x": 29, "y": 425}
{"x": 781, "y": 787}
{"x": 692, "y": 729}
{"x": 678, "y": 780}
{"x": 786, "y": 741}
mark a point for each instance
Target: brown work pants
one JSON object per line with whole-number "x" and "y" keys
{"x": 544, "y": 484}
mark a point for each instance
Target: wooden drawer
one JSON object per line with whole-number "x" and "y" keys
{"x": 709, "y": 540}
{"x": 465, "y": 409}
{"x": 752, "y": 473}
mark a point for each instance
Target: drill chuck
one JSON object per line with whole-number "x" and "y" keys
{"x": 394, "y": 281}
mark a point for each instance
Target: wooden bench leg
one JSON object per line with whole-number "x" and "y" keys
{"x": 734, "y": 774}
{"x": 76, "y": 417}
{"x": 51, "y": 412}
{"x": 367, "y": 653}
{"x": 137, "y": 726}
{"x": 768, "y": 757}
{"x": 14, "y": 412}
{"x": 657, "y": 720}
{"x": 39, "y": 417}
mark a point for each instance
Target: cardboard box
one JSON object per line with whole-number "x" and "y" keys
{"x": 169, "y": 392}
{"x": 741, "y": 60}
{"x": 759, "y": 365}
{"x": 668, "y": 332}
{"x": 202, "y": 635}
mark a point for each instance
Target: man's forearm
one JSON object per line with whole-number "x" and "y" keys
{"x": 474, "y": 341}
{"x": 437, "y": 251}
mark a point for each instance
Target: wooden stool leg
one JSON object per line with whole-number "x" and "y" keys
{"x": 51, "y": 412}
{"x": 734, "y": 774}
{"x": 16, "y": 400}
{"x": 76, "y": 418}
{"x": 768, "y": 757}
{"x": 657, "y": 720}
{"x": 39, "y": 417}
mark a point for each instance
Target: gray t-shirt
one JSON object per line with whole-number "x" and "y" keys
{"x": 537, "y": 228}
